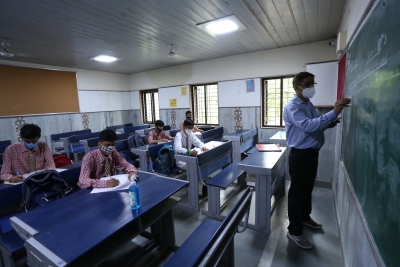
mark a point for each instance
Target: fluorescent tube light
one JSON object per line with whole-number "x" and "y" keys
{"x": 104, "y": 58}
{"x": 222, "y": 26}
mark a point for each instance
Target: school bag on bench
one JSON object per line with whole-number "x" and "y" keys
{"x": 134, "y": 141}
{"x": 61, "y": 160}
{"x": 165, "y": 158}
{"x": 43, "y": 187}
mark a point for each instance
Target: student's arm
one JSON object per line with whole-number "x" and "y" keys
{"x": 48, "y": 158}
{"x": 196, "y": 141}
{"x": 151, "y": 138}
{"x": 178, "y": 144}
{"x": 87, "y": 169}
{"x": 6, "y": 171}
{"x": 121, "y": 163}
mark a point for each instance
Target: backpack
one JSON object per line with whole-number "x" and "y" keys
{"x": 134, "y": 141}
{"x": 61, "y": 160}
{"x": 165, "y": 158}
{"x": 43, "y": 187}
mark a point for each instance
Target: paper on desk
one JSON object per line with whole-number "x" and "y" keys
{"x": 12, "y": 183}
{"x": 210, "y": 145}
{"x": 124, "y": 183}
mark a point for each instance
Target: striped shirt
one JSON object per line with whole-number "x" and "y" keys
{"x": 93, "y": 168}
{"x": 162, "y": 135}
{"x": 16, "y": 159}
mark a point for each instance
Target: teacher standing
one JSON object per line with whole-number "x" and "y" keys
{"x": 305, "y": 136}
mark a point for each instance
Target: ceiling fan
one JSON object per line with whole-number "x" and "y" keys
{"x": 172, "y": 52}
{"x": 6, "y": 52}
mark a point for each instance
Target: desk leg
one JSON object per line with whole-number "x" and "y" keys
{"x": 263, "y": 203}
{"x": 143, "y": 163}
{"x": 164, "y": 229}
{"x": 193, "y": 190}
{"x": 236, "y": 153}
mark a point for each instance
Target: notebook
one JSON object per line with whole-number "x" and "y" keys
{"x": 268, "y": 148}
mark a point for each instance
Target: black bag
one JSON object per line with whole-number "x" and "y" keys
{"x": 43, "y": 187}
{"x": 165, "y": 160}
{"x": 134, "y": 141}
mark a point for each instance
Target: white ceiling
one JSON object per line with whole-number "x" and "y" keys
{"x": 68, "y": 32}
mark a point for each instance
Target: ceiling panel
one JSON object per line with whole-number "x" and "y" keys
{"x": 68, "y": 33}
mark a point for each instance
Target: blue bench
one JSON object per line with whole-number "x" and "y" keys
{"x": 132, "y": 129}
{"x": 115, "y": 127}
{"x": 166, "y": 128}
{"x": 72, "y": 144}
{"x": 212, "y": 243}
{"x": 123, "y": 149}
{"x": 244, "y": 142}
{"x": 5, "y": 143}
{"x": 248, "y": 141}
{"x": 212, "y": 135}
{"x": 174, "y": 132}
{"x": 11, "y": 244}
{"x": 219, "y": 182}
{"x": 1, "y": 160}
{"x": 55, "y": 138}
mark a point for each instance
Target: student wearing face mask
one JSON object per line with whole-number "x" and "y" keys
{"x": 158, "y": 134}
{"x": 189, "y": 117}
{"x": 103, "y": 162}
{"x": 305, "y": 136}
{"x": 25, "y": 157}
{"x": 184, "y": 141}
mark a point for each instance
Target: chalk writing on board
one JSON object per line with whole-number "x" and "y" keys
{"x": 375, "y": 51}
{"x": 368, "y": 71}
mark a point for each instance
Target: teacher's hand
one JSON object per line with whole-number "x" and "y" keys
{"x": 340, "y": 104}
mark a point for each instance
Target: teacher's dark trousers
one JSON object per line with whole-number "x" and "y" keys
{"x": 303, "y": 165}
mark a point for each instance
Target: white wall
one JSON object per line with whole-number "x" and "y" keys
{"x": 352, "y": 14}
{"x": 267, "y": 63}
{"x": 165, "y": 94}
{"x": 234, "y": 94}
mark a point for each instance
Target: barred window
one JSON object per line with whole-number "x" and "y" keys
{"x": 150, "y": 107}
{"x": 205, "y": 104}
{"x": 276, "y": 93}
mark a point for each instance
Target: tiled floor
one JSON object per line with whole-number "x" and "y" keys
{"x": 253, "y": 248}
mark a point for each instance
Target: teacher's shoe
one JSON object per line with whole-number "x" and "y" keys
{"x": 313, "y": 224}
{"x": 300, "y": 240}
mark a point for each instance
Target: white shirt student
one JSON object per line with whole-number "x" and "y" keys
{"x": 184, "y": 140}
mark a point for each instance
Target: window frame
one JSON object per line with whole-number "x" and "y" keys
{"x": 263, "y": 104}
{"x": 192, "y": 98}
{"x": 144, "y": 105}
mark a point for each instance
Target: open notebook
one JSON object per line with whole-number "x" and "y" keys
{"x": 268, "y": 148}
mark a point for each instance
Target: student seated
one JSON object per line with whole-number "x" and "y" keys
{"x": 189, "y": 116}
{"x": 184, "y": 141}
{"x": 102, "y": 162}
{"x": 28, "y": 156}
{"x": 158, "y": 134}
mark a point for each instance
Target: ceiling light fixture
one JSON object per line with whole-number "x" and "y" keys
{"x": 172, "y": 52}
{"x": 222, "y": 26}
{"x": 104, "y": 58}
{"x": 6, "y": 48}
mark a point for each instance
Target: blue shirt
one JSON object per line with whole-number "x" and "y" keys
{"x": 304, "y": 128}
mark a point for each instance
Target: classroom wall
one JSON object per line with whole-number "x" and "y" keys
{"x": 104, "y": 105}
{"x": 267, "y": 63}
{"x": 358, "y": 249}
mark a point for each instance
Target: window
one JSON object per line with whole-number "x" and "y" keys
{"x": 150, "y": 107}
{"x": 205, "y": 104}
{"x": 276, "y": 93}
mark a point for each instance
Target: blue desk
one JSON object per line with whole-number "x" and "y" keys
{"x": 83, "y": 230}
{"x": 269, "y": 169}
{"x": 201, "y": 166}
{"x": 11, "y": 195}
{"x": 280, "y": 139}
{"x": 241, "y": 141}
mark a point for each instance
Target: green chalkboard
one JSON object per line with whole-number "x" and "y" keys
{"x": 371, "y": 130}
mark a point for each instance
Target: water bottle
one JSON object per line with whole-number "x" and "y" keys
{"x": 134, "y": 198}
